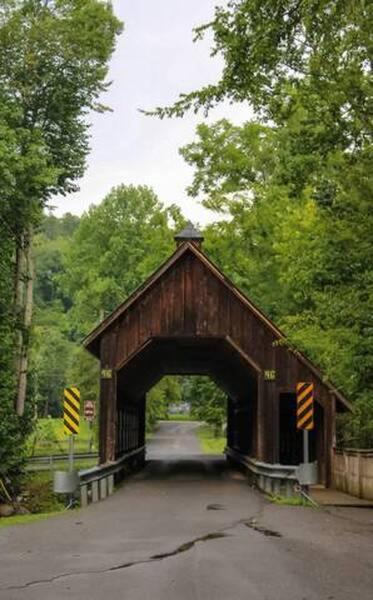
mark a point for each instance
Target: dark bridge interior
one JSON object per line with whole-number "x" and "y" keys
{"x": 215, "y": 357}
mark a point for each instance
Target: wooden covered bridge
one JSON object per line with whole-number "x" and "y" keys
{"x": 188, "y": 318}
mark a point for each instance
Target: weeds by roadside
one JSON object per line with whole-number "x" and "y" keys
{"x": 210, "y": 443}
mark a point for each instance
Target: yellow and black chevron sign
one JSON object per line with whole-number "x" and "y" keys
{"x": 71, "y": 410}
{"x": 305, "y": 406}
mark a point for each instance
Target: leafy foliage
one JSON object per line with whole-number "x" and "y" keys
{"x": 296, "y": 182}
{"x": 85, "y": 267}
{"x": 117, "y": 245}
{"x": 13, "y": 429}
{"x": 159, "y": 398}
{"x": 207, "y": 401}
{"x": 53, "y": 66}
{"x": 39, "y": 496}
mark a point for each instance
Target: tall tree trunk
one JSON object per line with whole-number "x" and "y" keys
{"x": 26, "y": 298}
{"x": 19, "y": 284}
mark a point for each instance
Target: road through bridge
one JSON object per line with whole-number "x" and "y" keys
{"x": 187, "y": 527}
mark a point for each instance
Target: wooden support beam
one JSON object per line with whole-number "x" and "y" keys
{"x": 108, "y": 399}
{"x": 260, "y": 425}
{"x": 275, "y": 402}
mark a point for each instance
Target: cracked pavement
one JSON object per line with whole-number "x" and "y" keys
{"x": 189, "y": 527}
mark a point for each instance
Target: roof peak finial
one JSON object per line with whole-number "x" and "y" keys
{"x": 189, "y": 234}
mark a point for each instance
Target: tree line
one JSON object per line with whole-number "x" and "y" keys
{"x": 293, "y": 185}
{"x": 53, "y": 64}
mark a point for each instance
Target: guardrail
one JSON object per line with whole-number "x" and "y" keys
{"x": 46, "y": 461}
{"x": 98, "y": 482}
{"x": 55, "y": 457}
{"x": 272, "y": 479}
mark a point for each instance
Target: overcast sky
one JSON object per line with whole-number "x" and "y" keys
{"x": 155, "y": 59}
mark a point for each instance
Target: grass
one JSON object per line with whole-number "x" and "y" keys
{"x": 37, "y": 487}
{"x": 38, "y": 495}
{"x": 49, "y": 438}
{"x": 180, "y": 417}
{"x": 210, "y": 444}
{"x": 289, "y": 501}
{"x": 24, "y": 519}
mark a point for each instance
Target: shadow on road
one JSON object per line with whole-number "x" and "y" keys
{"x": 196, "y": 468}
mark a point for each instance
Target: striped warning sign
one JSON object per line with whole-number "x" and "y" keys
{"x": 71, "y": 410}
{"x": 305, "y": 406}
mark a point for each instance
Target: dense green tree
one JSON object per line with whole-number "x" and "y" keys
{"x": 13, "y": 429}
{"x": 167, "y": 391}
{"x": 281, "y": 55}
{"x": 51, "y": 356}
{"x": 53, "y": 64}
{"x": 207, "y": 401}
{"x": 132, "y": 230}
{"x": 296, "y": 181}
{"x": 52, "y": 349}
{"x": 116, "y": 246}
{"x": 306, "y": 263}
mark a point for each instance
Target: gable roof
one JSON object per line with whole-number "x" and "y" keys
{"x": 91, "y": 341}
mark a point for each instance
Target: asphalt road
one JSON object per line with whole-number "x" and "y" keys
{"x": 187, "y": 528}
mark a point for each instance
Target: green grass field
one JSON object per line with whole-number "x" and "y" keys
{"x": 209, "y": 443}
{"x": 24, "y": 519}
{"x": 49, "y": 438}
{"x": 180, "y": 417}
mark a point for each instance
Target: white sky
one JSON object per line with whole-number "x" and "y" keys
{"x": 155, "y": 59}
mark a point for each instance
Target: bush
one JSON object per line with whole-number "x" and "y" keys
{"x": 38, "y": 495}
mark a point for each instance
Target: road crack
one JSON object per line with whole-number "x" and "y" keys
{"x": 220, "y": 533}
{"x": 250, "y": 522}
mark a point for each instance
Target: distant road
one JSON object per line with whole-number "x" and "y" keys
{"x": 188, "y": 527}
{"x": 174, "y": 438}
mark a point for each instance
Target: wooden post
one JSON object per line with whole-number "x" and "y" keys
{"x": 108, "y": 399}
{"x": 275, "y": 403}
{"x": 260, "y": 426}
{"x": 320, "y": 440}
{"x": 23, "y": 303}
{"x": 142, "y": 421}
{"x": 328, "y": 432}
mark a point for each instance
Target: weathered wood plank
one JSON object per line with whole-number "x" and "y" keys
{"x": 191, "y": 303}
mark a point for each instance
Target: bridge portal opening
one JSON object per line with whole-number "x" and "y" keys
{"x": 213, "y": 358}
{"x": 186, "y": 415}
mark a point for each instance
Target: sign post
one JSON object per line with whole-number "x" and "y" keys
{"x": 90, "y": 415}
{"x": 89, "y": 410}
{"x": 306, "y": 449}
{"x": 71, "y": 423}
{"x": 71, "y": 453}
{"x": 307, "y": 471}
{"x": 305, "y": 414}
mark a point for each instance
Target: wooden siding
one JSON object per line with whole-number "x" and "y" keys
{"x": 190, "y": 303}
